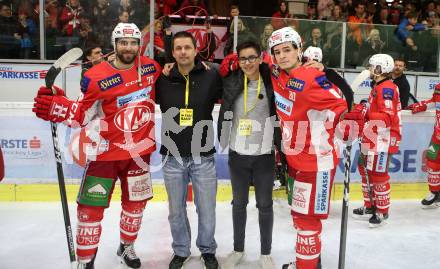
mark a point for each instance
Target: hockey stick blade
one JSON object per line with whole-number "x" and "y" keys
{"x": 359, "y": 79}
{"x": 64, "y": 61}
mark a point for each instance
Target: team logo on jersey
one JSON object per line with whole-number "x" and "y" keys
{"x": 110, "y": 82}
{"x": 133, "y": 118}
{"x": 284, "y": 105}
{"x": 322, "y": 192}
{"x": 275, "y": 71}
{"x": 134, "y": 97}
{"x": 387, "y": 94}
{"x": 85, "y": 81}
{"x": 295, "y": 84}
{"x": 323, "y": 82}
{"x": 148, "y": 69}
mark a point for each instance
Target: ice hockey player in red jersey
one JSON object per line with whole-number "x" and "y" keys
{"x": 117, "y": 108}
{"x": 432, "y": 154}
{"x": 309, "y": 107}
{"x": 380, "y": 138}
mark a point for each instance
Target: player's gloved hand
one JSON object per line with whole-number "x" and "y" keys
{"x": 47, "y": 91}
{"x": 418, "y": 107}
{"x": 229, "y": 64}
{"x": 53, "y": 108}
{"x": 355, "y": 121}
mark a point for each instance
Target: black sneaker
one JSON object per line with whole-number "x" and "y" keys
{"x": 432, "y": 200}
{"x": 88, "y": 265}
{"x": 363, "y": 212}
{"x": 128, "y": 256}
{"x": 177, "y": 262}
{"x": 289, "y": 266}
{"x": 209, "y": 261}
{"x": 377, "y": 220}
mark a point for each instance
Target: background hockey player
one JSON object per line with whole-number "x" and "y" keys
{"x": 380, "y": 138}
{"x": 433, "y": 158}
{"x": 309, "y": 108}
{"x": 118, "y": 105}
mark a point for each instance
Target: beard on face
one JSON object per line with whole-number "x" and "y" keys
{"x": 126, "y": 58}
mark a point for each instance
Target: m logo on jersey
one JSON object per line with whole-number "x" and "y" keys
{"x": 148, "y": 69}
{"x": 387, "y": 94}
{"x": 323, "y": 82}
{"x": 137, "y": 96}
{"x": 284, "y": 105}
{"x": 132, "y": 119}
{"x": 295, "y": 84}
{"x": 85, "y": 81}
{"x": 110, "y": 82}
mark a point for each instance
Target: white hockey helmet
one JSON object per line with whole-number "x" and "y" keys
{"x": 126, "y": 30}
{"x": 285, "y": 34}
{"x": 381, "y": 64}
{"x": 313, "y": 53}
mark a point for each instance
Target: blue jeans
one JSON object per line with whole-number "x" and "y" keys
{"x": 177, "y": 173}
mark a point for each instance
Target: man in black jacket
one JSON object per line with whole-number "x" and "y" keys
{"x": 187, "y": 97}
{"x": 400, "y": 80}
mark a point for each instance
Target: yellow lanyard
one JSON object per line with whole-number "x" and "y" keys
{"x": 186, "y": 90}
{"x": 246, "y": 92}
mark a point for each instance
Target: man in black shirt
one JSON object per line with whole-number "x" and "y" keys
{"x": 187, "y": 97}
{"x": 400, "y": 80}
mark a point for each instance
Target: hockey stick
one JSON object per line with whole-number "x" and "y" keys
{"x": 65, "y": 60}
{"x": 344, "y": 220}
{"x": 359, "y": 79}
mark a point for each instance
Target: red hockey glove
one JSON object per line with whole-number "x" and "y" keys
{"x": 418, "y": 107}
{"x": 46, "y": 91}
{"x": 53, "y": 108}
{"x": 355, "y": 117}
{"x": 229, "y": 64}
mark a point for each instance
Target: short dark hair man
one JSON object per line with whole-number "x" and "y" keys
{"x": 400, "y": 80}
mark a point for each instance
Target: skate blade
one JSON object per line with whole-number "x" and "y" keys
{"x": 433, "y": 206}
{"x": 372, "y": 226}
{"x": 361, "y": 217}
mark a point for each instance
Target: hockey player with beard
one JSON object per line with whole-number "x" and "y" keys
{"x": 433, "y": 158}
{"x": 117, "y": 105}
{"x": 309, "y": 108}
{"x": 380, "y": 138}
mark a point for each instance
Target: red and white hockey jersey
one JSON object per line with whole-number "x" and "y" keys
{"x": 118, "y": 112}
{"x": 382, "y": 131}
{"x": 309, "y": 107}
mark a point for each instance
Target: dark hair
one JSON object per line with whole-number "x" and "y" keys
{"x": 287, "y": 7}
{"x": 233, "y": 7}
{"x": 413, "y": 15}
{"x": 88, "y": 51}
{"x": 247, "y": 45}
{"x": 400, "y": 59}
{"x": 183, "y": 34}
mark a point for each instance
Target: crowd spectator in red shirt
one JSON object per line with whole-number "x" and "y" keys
{"x": 278, "y": 18}
{"x": 166, "y": 7}
{"x": 69, "y": 17}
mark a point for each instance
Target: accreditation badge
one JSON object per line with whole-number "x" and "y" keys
{"x": 245, "y": 127}
{"x": 186, "y": 117}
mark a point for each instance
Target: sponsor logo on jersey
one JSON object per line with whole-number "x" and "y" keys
{"x": 381, "y": 162}
{"x": 132, "y": 118}
{"x": 139, "y": 187}
{"x": 322, "y": 192}
{"x": 110, "y": 82}
{"x": 284, "y": 105}
{"x": 85, "y": 82}
{"x": 134, "y": 97}
{"x": 148, "y": 69}
{"x": 295, "y": 84}
{"x": 97, "y": 190}
{"x": 323, "y": 82}
{"x": 301, "y": 197}
{"x": 387, "y": 94}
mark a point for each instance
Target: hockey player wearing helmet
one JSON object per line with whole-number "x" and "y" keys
{"x": 432, "y": 200}
{"x": 380, "y": 138}
{"x": 116, "y": 110}
{"x": 309, "y": 107}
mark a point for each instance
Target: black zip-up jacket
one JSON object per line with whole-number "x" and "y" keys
{"x": 205, "y": 90}
{"x": 233, "y": 86}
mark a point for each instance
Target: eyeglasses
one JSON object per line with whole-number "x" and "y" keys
{"x": 251, "y": 59}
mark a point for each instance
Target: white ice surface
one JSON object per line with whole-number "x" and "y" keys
{"x": 32, "y": 236}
